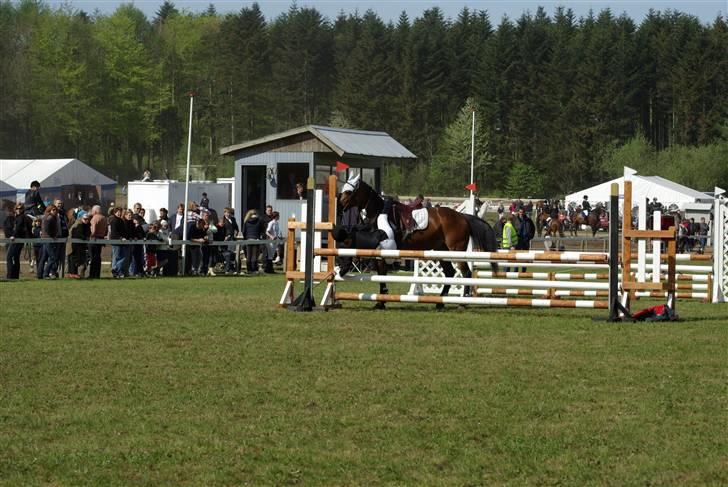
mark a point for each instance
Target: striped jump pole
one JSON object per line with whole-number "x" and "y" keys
{"x": 462, "y": 300}
{"x": 465, "y": 256}
{"x": 476, "y": 281}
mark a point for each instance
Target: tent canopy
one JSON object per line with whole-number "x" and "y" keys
{"x": 643, "y": 187}
{"x": 51, "y": 173}
{"x": 7, "y": 191}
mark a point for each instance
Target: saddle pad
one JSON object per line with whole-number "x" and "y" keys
{"x": 421, "y": 218}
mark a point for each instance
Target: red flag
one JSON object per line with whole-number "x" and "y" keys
{"x": 471, "y": 187}
{"x": 341, "y": 166}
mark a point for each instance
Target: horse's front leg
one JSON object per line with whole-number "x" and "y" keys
{"x": 382, "y": 271}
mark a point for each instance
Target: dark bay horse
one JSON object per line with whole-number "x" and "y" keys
{"x": 592, "y": 220}
{"x": 446, "y": 230}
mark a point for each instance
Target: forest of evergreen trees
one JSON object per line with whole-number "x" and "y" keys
{"x": 560, "y": 101}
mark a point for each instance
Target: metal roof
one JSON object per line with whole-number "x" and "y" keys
{"x": 341, "y": 141}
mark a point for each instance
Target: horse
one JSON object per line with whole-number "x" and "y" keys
{"x": 446, "y": 230}
{"x": 592, "y": 220}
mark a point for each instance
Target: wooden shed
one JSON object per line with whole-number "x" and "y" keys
{"x": 267, "y": 169}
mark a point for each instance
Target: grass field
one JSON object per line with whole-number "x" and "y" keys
{"x": 205, "y": 381}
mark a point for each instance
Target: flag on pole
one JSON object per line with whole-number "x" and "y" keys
{"x": 341, "y": 166}
{"x": 471, "y": 187}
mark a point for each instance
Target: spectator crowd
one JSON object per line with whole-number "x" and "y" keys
{"x": 140, "y": 248}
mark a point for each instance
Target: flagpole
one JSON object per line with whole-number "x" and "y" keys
{"x": 472, "y": 164}
{"x": 187, "y": 188}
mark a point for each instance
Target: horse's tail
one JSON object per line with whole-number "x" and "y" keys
{"x": 482, "y": 233}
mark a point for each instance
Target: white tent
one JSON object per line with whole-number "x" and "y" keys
{"x": 68, "y": 179}
{"x": 643, "y": 187}
{"x": 7, "y": 192}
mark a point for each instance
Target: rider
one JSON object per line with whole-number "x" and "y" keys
{"x": 34, "y": 205}
{"x": 383, "y": 224}
{"x": 585, "y": 206}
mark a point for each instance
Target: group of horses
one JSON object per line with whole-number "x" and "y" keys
{"x": 556, "y": 223}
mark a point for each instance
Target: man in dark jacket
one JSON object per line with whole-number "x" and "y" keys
{"x": 34, "y": 205}
{"x": 525, "y": 229}
{"x": 19, "y": 225}
{"x": 252, "y": 230}
{"x": 117, "y": 231}
{"x": 81, "y": 230}
{"x": 230, "y": 230}
{"x": 63, "y": 232}
{"x": 47, "y": 267}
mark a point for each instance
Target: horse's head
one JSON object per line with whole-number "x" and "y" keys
{"x": 350, "y": 193}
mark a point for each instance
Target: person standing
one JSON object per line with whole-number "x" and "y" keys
{"x": 252, "y": 230}
{"x": 525, "y": 229}
{"x": 81, "y": 230}
{"x": 272, "y": 232}
{"x": 48, "y": 265}
{"x": 99, "y": 230}
{"x": 117, "y": 231}
{"x": 231, "y": 230}
{"x": 163, "y": 215}
{"x": 702, "y": 235}
{"x": 510, "y": 237}
{"x": 63, "y": 232}
{"x": 205, "y": 201}
{"x": 19, "y": 225}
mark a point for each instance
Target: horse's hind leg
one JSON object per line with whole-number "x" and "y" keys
{"x": 449, "y": 271}
{"x": 382, "y": 271}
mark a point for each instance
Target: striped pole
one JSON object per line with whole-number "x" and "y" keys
{"x": 475, "y": 281}
{"x": 465, "y": 256}
{"x": 534, "y": 303}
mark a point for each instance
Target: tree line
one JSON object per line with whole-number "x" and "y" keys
{"x": 557, "y": 98}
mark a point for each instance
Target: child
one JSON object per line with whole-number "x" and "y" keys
{"x": 150, "y": 251}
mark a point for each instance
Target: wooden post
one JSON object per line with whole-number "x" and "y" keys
{"x": 291, "y": 246}
{"x": 626, "y": 242}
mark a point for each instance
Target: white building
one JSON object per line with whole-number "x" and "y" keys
{"x": 154, "y": 195}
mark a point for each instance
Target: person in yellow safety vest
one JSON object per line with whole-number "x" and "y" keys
{"x": 510, "y": 237}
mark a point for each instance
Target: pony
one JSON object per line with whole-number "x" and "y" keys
{"x": 446, "y": 230}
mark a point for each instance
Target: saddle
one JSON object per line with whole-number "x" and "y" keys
{"x": 402, "y": 219}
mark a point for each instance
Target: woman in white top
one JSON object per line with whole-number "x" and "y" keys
{"x": 272, "y": 232}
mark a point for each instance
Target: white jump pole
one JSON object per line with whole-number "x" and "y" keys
{"x": 187, "y": 187}
{"x": 472, "y": 164}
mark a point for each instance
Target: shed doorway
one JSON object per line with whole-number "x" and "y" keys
{"x": 253, "y": 189}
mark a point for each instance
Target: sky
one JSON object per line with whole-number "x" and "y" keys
{"x": 705, "y": 10}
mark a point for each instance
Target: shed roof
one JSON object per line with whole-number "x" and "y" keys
{"x": 50, "y": 172}
{"x": 344, "y": 142}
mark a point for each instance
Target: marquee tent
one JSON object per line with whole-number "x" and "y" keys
{"x": 666, "y": 191}
{"x": 68, "y": 179}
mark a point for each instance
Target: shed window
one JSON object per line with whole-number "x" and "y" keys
{"x": 288, "y": 175}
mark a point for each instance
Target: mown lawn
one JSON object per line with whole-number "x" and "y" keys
{"x": 205, "y": 381}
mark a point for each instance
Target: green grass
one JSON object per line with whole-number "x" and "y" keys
{"x": 205, "y": 381}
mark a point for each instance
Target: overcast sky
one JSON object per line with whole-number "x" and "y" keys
{"x": 705, "y": 10}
